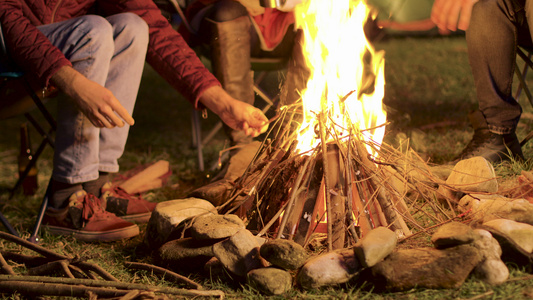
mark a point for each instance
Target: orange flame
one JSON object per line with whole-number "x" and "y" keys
{"x": 347, "y": 75}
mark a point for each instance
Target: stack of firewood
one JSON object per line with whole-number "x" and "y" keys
{"x": 337, "y": 188}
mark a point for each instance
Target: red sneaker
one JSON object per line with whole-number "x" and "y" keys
{"x": 126, "y": 206}
{"x": 86, "y": 219}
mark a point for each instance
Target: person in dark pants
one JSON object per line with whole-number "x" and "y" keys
{"x": 494, "y": 29}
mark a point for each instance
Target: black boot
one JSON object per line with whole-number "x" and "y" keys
{"x": 493, "y": 147}
{"x": 231, "y": 64}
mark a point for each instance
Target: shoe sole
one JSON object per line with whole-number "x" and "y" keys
{"x": 137, "y": 218}
{"x": 96, "y": 236}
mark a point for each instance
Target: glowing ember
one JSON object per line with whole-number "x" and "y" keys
{"x": 347, "y": 80}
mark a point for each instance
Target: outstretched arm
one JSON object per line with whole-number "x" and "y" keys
{"x": 236, "y": 114}
{"x": 452, "y": 14}
{"x": 95, "y": 101}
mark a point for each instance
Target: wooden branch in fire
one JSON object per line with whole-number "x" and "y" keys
{"x": 336, "y": 188}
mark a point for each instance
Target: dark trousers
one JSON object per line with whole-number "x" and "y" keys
{"x": 496, "y": 29}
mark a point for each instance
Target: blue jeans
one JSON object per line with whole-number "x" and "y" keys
{"x": 496, "y": 29}
{"x": 110, "y": 51}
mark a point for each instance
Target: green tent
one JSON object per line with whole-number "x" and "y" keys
{"x": 404, "y": 16}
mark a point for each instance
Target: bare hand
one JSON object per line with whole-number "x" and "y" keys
{"x": 96, "y": 102}
{"x": 452, "y": 14}
{"x": 236, "y": 114}
{"x": 243, "y": 116}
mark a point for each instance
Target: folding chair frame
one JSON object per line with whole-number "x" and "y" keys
{"x": 13, "y": 73}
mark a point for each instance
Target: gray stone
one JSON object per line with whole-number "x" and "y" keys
{"x": 168, "y": 215}
{"x": 489, "y": 246}
{"x": 240, "y": 253}
{"x": 215, "y": 192}
{"x": 375, "y": 246}
{"x": 270, "y": 281}
{"x": 484, "y": 208}
{"x": 329, "y": 269}
{"x": 513, "y": 240}
{"x": 426, "y": 268}
{"x": 285, "y": 254}
{"x": 453, "y": 234}
{"x": 184, "y": 254}
{"x": 215, "y": 226}
{"x": 492, "y": 270}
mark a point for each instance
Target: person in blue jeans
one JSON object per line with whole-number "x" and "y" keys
{"x": 94, "y": 52}
{"x": 494, "y": 29}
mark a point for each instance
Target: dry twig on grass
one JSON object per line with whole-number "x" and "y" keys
{"x": 80, "y": 277}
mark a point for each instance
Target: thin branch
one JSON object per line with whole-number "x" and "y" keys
{"x": 165, "y": 273}
{"x": 8, "y": 283}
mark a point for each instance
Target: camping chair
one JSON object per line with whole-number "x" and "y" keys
{"x": 260, "y": 66}
{"x": 18, "y": 97}
{"x": 525, "y": 54}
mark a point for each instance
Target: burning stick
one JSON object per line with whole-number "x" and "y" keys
{"x": 349, "y": 195}
{"x": 294, "y": 207}
{"x": 321, "y": 124}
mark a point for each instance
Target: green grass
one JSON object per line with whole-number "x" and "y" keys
{"x": 429, "y": 92}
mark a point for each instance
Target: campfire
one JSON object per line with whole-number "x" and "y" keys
{"x": 333, "y": 174}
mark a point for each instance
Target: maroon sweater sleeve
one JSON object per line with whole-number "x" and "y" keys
{"x": 30, "y": 49}
{"x": 168, "y": 53}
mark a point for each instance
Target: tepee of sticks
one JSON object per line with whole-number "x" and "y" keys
{"x": 336, "y": 188}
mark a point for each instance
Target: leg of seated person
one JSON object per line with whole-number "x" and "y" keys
{"x": 229, "y": 27}
{"x": 88, "y": 42}
{"x": 130, "y": 35}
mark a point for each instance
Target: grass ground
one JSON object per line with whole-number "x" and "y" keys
{"x": 429, "y": 92}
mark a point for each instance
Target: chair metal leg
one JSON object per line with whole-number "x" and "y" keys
{"x": 34, "y": 238}
{"x": 197, "y": 139}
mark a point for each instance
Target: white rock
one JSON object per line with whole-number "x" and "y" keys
{"x": 520, "y": 233}
{"x": 484, "y": 208}
{"x": 475, "y": 174}
{"x": 169, "y": 214}
{"x": 331, "y": 268}
{"x": 492, "y": 271}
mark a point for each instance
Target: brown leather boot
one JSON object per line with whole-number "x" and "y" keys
{"x": 230, "y": 58}
{"x": 295, "y": 82}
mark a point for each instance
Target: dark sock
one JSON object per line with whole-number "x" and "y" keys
{"x": 61, "y": 192}
{"x": 93, "y": 187}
